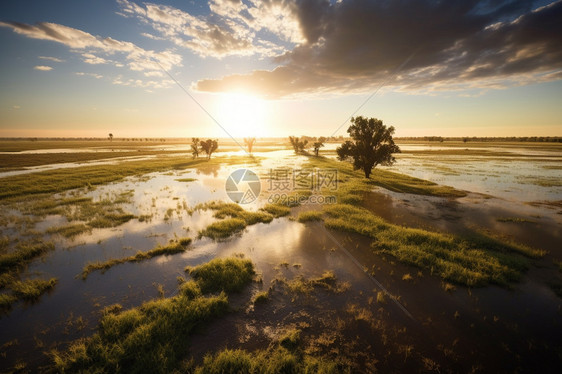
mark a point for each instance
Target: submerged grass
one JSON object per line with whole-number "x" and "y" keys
{"x": 153, "y": 337}
{"x": 170, "y": 249}
{"x": 471, "y": 261}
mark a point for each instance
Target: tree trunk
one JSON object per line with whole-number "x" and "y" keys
{"x": 367, "y": 172}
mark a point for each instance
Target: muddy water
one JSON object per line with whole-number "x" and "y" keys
{"x": 460, "y": 330}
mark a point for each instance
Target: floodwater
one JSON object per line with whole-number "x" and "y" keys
{"x": 482, "y": 329}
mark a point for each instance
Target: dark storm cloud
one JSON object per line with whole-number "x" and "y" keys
{"x": 355, "y": 44}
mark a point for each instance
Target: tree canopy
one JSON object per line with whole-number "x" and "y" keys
{"x": 372, "y": 145}
{"x": 209, "y": 146}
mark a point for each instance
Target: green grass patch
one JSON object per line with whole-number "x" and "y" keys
{"x": 261, "y": 297}
{"x": 302, "y": 285}
{"x": 32, "y": 289}
{"x": 471, "y": 261}
{"x": 70, "y": 231}
{"x": 233, "y": 219}
{"x": 155, "y": 336}
{"x": 24, "y": 253}
{"x": 64, "y": 179}
{"x": 187, "y": 180}
{"x": 311, "y": 215}
{"x": 229, "y": 275}
{"x": 353, "y": 184}
{"x": 110, "y": 220}
{"x": 279, "y": 360}
{"x": 6, "y": 300}
{"x": 276, "y": 210}
{"x": 170, "y": 249}
{"x": 224, "y": 228}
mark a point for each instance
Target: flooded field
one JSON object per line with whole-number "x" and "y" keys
{"x": 351, "y": 293}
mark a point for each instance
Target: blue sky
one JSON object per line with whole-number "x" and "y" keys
{"x": 279, "y": 67}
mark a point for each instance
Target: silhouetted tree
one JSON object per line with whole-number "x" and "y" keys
{"x": 209, "y": 146}
{"x": 195, "y": 147}
{"x": 298, "y": 144}
{"x": 319, "y": 144}
{"x": 372, "y": 145}
{"x": 250, "y": 143}
{"x": 110, "y": 136}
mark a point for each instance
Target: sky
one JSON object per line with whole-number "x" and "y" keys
{"x": 80, "y": 68}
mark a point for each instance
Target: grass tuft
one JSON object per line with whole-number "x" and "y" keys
{"x": 276, "y": 210}
{"x": 229, "y": 275}
{"x": 310, "y": 215}
{"x": 170, "y": 249}
{"x": 70, "y": 231}
{"x": 233, "y": 219}
{"x": 154, "y": 336}
{"x": 31, "y": 289}
{"x": 471, "y": 261}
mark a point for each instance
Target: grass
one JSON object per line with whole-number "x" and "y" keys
{"x": 233, "y": 219}
{"x": 32, "y": 289}
{"x": 19, "y": 161}
{"x": 28, "y": 290}
{"x": 153, "y": 337}
{"x": 310, "y": 215}
{"x": 59, "y": 180}
{"x": 24, "y": 253}
{"x": 276, "y": 210}
{"x": 470, "y": 261}
{"x": 229, "y": 275}
{"x": 110, "y": 220}
{"x": 70, "y": 231}
{"x": 261, "y": 297}
{"x": 327, "y": 281}
{"x": 186, "y": 180}
{"x": 280, "y": 360}
{"x": 353, "y": 185}
{"x": 170, "y": 249}
{"x": 514, "y": 220}
{"x": 223, "y": 229}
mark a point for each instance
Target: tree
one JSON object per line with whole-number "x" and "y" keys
{"x": 372, "y": 145}
{"x": 299, "y": 145}
{"x": 250, "y": 143}
{"x": 110, "y": 136}
{"x": 195, "y": 147}
{"x": 317, "y": 145}
{"x": 209, "y": 146}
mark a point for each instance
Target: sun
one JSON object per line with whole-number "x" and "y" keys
{"x": 243, "y": 115}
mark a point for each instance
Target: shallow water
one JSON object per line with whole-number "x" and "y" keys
{"x": 169, "y": 203}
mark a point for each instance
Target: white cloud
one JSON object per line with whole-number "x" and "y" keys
{"x": 43, "y": 68}
{"x": 231, "y": 28}
{"x": 54, "y": 59}
{"x": 135, "y": 57}
{"x": 93, "y": 59}
{"x": 97, "y": 76}
{"x": 418, "y": 46}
